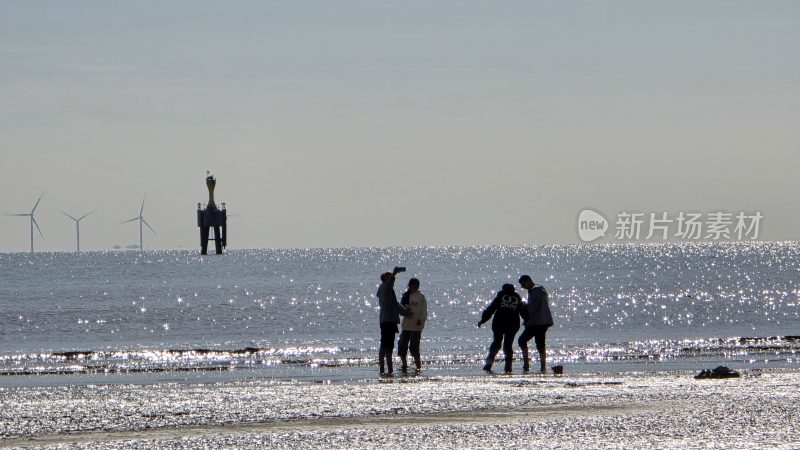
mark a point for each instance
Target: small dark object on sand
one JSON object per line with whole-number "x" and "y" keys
{"x": 719, "y": 372}
{"x": 558, "y": 370}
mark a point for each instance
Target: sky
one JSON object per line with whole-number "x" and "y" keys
{"x": 376, "y": 123}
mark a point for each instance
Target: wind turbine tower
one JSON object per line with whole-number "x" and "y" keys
{"x": 33, "y": 220}
{"x": 141, "y": 222}
{"x": 78, "y": 227}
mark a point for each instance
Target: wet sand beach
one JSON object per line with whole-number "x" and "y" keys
{"x": 673, "y": 410}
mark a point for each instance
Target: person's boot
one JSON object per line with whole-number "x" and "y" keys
{"x": 489, "y": 361}
{"x": 543, "y": 359}
{"x": 404, "y": 366}
{"x": 418, "y": 363}
{"x": 526, "y": 362}
{"x": 509, "y": 362}
{"x": 381, "y": 358}
{"x": 389, "y": 362}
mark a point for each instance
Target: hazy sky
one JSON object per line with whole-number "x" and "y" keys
{"x": 361, "y": 123}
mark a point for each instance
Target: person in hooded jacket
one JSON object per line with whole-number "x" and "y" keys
{"x": 507, "y": 309}
{"x": 539, "y": 320}
{"x": 413, "y": 323}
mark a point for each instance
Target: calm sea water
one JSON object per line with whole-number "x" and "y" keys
{"x": 313, "y": 313}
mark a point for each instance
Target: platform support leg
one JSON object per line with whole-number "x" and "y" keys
{"x": 204, "y": 240}
{"x": 217, "y": 239}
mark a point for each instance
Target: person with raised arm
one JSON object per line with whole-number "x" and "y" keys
{"x": 389, "y": 318}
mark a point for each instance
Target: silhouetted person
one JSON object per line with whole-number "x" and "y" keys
{"x": 507, "y": 308}
{"x": 539, "y": 320}
{"x": 389, "y": 317}
{"x": 416, "y": 307}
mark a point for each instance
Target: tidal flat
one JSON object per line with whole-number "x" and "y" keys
{"x": 628, "y": 410}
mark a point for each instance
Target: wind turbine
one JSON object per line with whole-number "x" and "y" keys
{"x": 77, "y": 226}
{"x": 33, "y": 220}
{"x": 141, "y": 221}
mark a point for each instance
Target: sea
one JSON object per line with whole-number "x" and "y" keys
{"x": 122, "y": 317}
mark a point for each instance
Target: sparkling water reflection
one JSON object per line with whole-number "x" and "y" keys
{"x": 128, "y": 311}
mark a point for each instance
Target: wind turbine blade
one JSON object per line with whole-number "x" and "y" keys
{"x": 91, "y": 212}
{"x": 18, "y": 215}
{"x": 37, "y": 227}
{"x": 37, "y": 203}
{"x": 141, "y": 211}
{"x": 135, "y": 218}
{"x": 62, "y": 212}
{"x": 148, "y": 226}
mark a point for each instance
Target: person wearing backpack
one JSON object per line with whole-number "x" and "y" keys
{"x": 507, "y": 309}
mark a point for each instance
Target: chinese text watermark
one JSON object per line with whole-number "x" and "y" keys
{"x": 653, "y": 226}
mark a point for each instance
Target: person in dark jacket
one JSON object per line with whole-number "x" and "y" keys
{"x": 507, "y": 308}
{"x": 389, "y": 318}
{"x": 539, "y": 320}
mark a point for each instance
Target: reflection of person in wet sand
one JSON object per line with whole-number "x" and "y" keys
{"x": 416, "y": 307}
{"x": 507, "y": 308}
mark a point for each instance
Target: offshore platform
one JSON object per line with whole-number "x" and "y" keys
{"x": 212, "y": 217}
